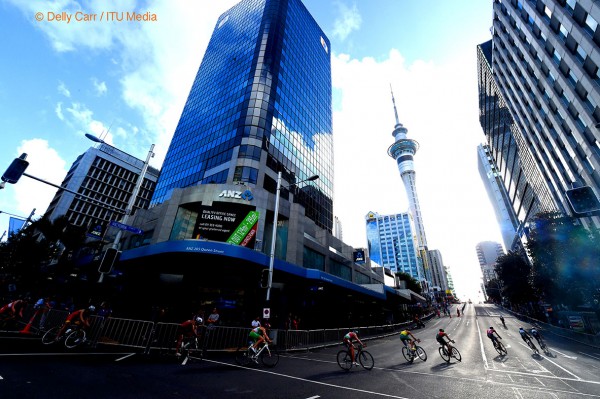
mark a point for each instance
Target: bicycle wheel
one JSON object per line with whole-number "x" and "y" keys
{"x": 407, "y": 354}
{"x": 269, "y": 357}
{"x": 444, "y": 354}
{"x": 243, "y": 356}
{"x": 50, "y": 336}
{"x": 456, "y": 354}
{"x": 421, "y": 353}
{"x": 500, "y": 348}
{"x": 366, "y": 360}
{"x": 344, "y": 360}
{"x": 75, "y": 338}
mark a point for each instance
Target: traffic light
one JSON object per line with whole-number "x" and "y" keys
{"x": 16, "y": 169}
{"x": 264, "y": 278}
{"x": 583, "y": 200}
{"x": 108, "y": 260}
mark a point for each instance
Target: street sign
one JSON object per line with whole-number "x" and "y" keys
{"x": 126, "y": 227}
{"x": 266, "y": 313}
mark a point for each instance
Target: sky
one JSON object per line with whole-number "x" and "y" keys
{"x": 128, "y": 81}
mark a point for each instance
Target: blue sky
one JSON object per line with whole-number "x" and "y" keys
{"x": 128, "y": 81}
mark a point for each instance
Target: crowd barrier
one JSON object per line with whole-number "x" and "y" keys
{"x": 149, "y": 336}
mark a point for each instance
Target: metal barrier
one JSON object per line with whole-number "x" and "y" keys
{"x": 150, "y": 336}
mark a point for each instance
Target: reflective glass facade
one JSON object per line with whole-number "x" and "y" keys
{"x": 260, "y": 103}
{"x": 392, "y": 244}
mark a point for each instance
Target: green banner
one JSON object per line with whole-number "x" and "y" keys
{"x": 244, "y": 228}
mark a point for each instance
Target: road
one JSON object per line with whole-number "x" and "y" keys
{"x": 571, "y": 370}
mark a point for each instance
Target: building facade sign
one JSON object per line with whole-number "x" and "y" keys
{"x": 227, "y": 222}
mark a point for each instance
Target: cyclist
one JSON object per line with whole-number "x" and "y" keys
{"x": 406, "y": 335}
{"x": 538, "y": 337}
{"x": 348, "y": 338}
{"x": 259, "y": 335}
{"x": 14, "y": 309}
{"x": 526, "y": 337}
{"x": 490, "y": 335}
{"x": 502, "y": 320}
{"x": 187, "y": 329}
{"x": 79, "y": 317}
{"x": 439, "y": 337}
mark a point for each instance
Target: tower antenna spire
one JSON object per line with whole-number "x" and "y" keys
{"x": 394, "y": 102}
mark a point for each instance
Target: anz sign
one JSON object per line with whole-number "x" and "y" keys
{"x": 244, "y": 195}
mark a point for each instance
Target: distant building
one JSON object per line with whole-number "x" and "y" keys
{"x": 392, "y": 244}
{"x": 108, "y": 175}
{"x": 438, "y": 271}
{"x": 487, "y": 253}
{"x": 499, "y": 198}
{"x": 337, "y": 229}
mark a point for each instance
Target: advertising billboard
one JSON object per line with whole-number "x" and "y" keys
{"x": 227, "y": 222}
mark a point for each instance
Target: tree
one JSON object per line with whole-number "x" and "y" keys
{"x": 513, "y": 271}
{"x": 493, "y": 289}
{"x": 411, "y": 283}
{"x": 565, "y": 259}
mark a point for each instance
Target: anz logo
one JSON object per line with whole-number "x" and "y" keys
{"x": 244, "y": 195}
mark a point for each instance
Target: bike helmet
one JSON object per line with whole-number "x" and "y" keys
{"x": 199, "y": 320}
{"x": 92, "y": 308}
{"x": 491, "y": 328}
{"x": 521, "y": 329}
{"x": 441, "y": 330}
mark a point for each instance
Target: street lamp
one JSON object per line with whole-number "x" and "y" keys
{"x": 274, "y": 235}
{"x": 134, "y": 194}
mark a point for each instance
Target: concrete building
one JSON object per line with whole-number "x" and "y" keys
{"x": 539, "y": 94}
{"x": 487, "y": 253}
{"x": 108, "y": 175}
{"x": 438, "y": 273}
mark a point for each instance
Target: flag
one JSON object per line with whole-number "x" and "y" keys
{"x": 14, "y": 225}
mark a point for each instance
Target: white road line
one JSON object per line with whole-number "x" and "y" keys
{"x": 314, "y": 397}
{"x": 538, "y": 380}
{"x": 556, "y": 364}
{"x": 565, "y": 355}
{"x": 1, "y": 377}
{"x": 485, "y": 362}
{"x": 312, "y": 381}
{"x": 518, "y": 394}
{"x": 124, "y": 357}
{"x": 60, "y": 354}
{"x": 587, "y": 354}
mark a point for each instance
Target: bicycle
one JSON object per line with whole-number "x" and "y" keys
{"x": 267, "y": 355}
{"x": 415, "y": 351}
{"x": 365, "y": 359}
{"x": 532, "y": 347}
{"x": 73, "y": 336}
{"x": 189, "y": 345}
{"x": 446, "y": 356}
{"x": 500, "y": 348}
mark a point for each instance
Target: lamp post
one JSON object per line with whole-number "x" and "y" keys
{"x": 134, "y": 194}
{"x": 274, "y": 235}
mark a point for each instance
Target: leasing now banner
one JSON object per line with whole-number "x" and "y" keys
{"x": 227, "y": 222}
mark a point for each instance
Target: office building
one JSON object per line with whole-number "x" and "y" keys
{"x": 391, "y": 243}
{"x": 260, "y": 104}
{"x": 438, "y": 271}
{"x": 487, "y": 253}
{"x": 543, "y": 59}
{"x": 108, "y": 175}
{"x": 492, "y": 181}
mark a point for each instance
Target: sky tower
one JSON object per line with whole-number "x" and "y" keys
{"x": 403, "y": 151}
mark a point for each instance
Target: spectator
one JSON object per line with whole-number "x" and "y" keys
{"x": 213, "y": 319}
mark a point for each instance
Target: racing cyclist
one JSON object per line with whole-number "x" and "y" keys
{"x": 538, "y": 337}
{"x": 526, "y": 337}
{"x": 490, "y": 335}
{"x": 405, "y": 336}
{"x": 348, "y": 338}
{"x": 439, "y": 337}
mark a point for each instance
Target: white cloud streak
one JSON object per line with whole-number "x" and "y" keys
{"x": 349, "y": 20}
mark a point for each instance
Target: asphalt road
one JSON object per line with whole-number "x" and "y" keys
{"x": 570, "y": 370}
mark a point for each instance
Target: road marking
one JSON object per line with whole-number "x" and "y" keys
{"x": 554, "y": 363}
{"x": 518, "y": 394}
{"x": 124, "y": 357}
{"x": 538, "y": 380}
{"x": 1, "y": 377}
{"x": 565, "y": 355}
{"x": 314, "y": 397}
{"x": 587, "y": 354}
{"x": 485, "y": 362}
{"x": 60, "y": 354}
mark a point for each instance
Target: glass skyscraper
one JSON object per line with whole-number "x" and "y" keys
{"x": 391, "y": 241}
{"x": 260, "y": 104}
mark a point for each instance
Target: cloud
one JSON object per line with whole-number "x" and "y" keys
{"x": 58, "y": 111}
{"x": 81, "y": 118}
{"x": 62, "y": 89}
{"x": 349, "y": 20}
{"x": 44, "y": 163}
{"x": 100, "y": 87}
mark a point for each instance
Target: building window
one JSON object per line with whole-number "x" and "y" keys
{"x": 313, "y": 260}
{"x": 590, "y": 25}
{"x": 571, "y": 6}
{"x": 245, "y": 174}
{"x": 556, "y": 57}
{"x": 563, "y": 33}
{"x": 547, "y": 13}
{"x": 580, "y": 53}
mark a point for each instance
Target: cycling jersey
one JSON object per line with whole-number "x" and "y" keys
{"x": 404, "y": 335}
{"x": 490, "y": 333}
{"x": 440, "y": 337}
{"x": 535, "y": 333}
{"x": 351, "y": 335}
